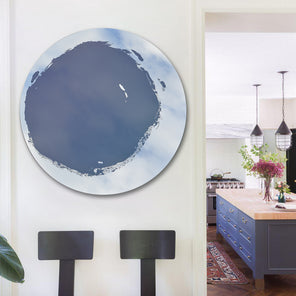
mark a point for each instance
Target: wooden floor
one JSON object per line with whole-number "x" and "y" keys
{"x": 275, "y": 285}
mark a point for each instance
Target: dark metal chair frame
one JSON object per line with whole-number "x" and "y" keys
{"x": 66, "y": 246}
{"x": 147, "y": 245}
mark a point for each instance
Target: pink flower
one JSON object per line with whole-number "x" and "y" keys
{"x": 268, "y": 169}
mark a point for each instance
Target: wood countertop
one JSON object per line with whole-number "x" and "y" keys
{"x": 251, "y": 203}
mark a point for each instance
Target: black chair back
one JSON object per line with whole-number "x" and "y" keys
{"x": 66, "y": 246}
{"x": 147, "y": 245}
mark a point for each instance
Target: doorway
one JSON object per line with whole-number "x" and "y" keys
{"x": 242, "y": 49}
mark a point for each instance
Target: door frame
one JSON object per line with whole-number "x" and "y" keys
{"x": 5, "y": 131}
{"x": 199, "y": 10}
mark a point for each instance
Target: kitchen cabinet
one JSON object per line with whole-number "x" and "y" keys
{"x": 263, "y": 237}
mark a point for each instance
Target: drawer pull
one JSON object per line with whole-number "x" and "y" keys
{"x": 228, "y": 220}
{"x": 234, "y": 226}
{"x": 231, "y": 210}
{"x": 249, "y": 238}
{"x": 234, "y": 242}
{"x": 245, "y": 221}
{"x": 219, "y": 225}
{"x": 224, "y": 230}
{"x": 249, "y": 256}
{"x": 240, "y": 248}
{"x": 240, "y": 231}
{"x": 228, "y": 235}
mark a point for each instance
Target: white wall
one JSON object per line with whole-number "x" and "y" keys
{"x": 169, "y": 201}
{"x": 40, "y": 203}
{"x": 223, "y": 154}
{"x": 271, "y": 113}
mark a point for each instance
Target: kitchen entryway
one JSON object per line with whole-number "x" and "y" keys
{"x": 243, "y": 51}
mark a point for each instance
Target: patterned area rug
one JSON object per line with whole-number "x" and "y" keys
{"x": 220, "y": 268}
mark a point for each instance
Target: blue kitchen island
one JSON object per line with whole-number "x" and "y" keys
{"x": 262, "y": 236}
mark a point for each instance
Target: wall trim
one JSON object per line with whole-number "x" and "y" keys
{"x": 199, "y": 10}
{"x": 199, "y": 150}
{"x": 5, "y": 132}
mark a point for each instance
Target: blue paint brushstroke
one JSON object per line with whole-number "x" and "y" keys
{"x": 34, "y": 76}
{"x": 162, "y": 83}
{"x": 138, "y": 55}
{"x": 91, "y": 108}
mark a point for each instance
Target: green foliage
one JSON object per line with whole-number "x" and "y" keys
{"x": 282, "y": 187}
{"x": 10, "y": 265}
{"x": 249, "y": 157}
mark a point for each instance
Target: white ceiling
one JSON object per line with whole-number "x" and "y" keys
{"x": 236, "y": 60}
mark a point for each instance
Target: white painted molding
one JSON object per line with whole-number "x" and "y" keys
{"x": 197, "y": 94}
{"x": 5, "y": 132}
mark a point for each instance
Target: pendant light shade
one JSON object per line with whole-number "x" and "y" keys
{"x": 257, "y": 134}
{"x": 257, "y": 137}
{"x": 283, "y": 135}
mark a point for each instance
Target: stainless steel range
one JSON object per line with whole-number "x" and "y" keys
{"x": 212, "y": 185}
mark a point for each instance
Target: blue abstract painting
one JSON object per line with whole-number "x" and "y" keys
{"x": 103, "y": 111}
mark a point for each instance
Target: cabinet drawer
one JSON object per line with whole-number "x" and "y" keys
{"x": 221, "y": 227}
{"x": 246, "y": 255}
{"x": 231, "y": 211}
{"x": 222, "y": 216}
{"x": 220, "y": 203}
{"x": 221, "y": 211}
{"x": 245, "y": 237}
{"x": 246, "y": 223}
{"x": 232, "y": 225}
{"x": 219, "y": 221}
{"x": 232, "y": 240}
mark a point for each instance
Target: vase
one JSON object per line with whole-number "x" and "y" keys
{"x": 262, "y": 186}
{"x": 282, "y": 197}
{"x": 268, "y": 192}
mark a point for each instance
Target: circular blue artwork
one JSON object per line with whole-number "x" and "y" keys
{"x": 103, "y": 111}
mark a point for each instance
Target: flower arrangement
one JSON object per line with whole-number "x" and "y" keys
{"x": 250, "y": 158}
{"x": 282, "y": 187}
{"x": 270, "y": 165}
{"x": 268, "y": 169}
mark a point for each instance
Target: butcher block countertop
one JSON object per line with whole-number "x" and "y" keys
{"x": 251, "y": 203}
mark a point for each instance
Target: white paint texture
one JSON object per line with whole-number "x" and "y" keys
{"x": 175, "y": 200}
{"x": 40, "y": 203}
{"x": 235, "y": 61}
{"x": 271, "y": 113}
{"x": 223, "y": 154}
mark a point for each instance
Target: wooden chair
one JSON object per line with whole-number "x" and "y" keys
{"x": 66, "y": 246}
{"x": 147, "y": 245}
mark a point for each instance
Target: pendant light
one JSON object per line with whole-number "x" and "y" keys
{"x": 283, "y": 136}
{"x": 257, "y": 135}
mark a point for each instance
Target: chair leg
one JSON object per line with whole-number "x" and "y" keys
{"x": 66, "y": 278}
{"x": 147, "y": 277}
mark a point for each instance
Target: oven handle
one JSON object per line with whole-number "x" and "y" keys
{"x": 211, "y": 195}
